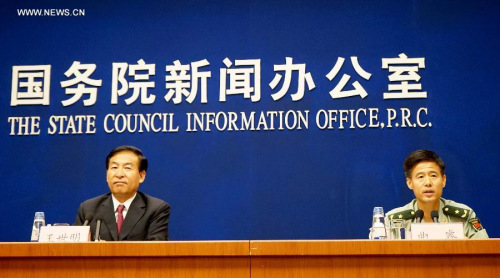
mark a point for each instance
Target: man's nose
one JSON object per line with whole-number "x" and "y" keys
{"x": 119, "y": 172}
{"x": 427, "y": 181}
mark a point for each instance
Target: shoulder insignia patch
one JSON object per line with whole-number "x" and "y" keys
{"x": 456, "y": 212}
{"x": 405, "y": 214}
{"x": 476, "y": 224}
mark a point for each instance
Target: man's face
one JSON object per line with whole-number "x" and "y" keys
{"x": 123, "y": 175}
{"x": 427, "y": 182}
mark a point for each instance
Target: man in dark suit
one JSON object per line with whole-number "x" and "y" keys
{"x": 125, "y": 213}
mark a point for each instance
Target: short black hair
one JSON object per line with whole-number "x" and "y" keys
{"x": 143, "y": 161}
{"x": 422, "y": 155}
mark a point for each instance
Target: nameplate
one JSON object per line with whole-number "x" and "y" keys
{"x": 437, "y": 231}
{"x": 64, "y": 234}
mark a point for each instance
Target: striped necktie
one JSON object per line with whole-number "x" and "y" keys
{"x": 119, "y": 218}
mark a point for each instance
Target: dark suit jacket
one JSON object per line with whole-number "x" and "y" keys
{"x": 147, "y": 218}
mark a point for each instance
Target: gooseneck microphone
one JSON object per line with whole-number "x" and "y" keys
{"x": 97, "y": 236}
{"x": 435, "y": 216}
{"x": 419, "y": 215}
{"x": 88, "y": 218}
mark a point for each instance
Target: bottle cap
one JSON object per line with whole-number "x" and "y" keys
{"x": 378, "y": 211}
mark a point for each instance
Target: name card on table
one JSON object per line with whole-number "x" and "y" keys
{"x": 64, "y": 234}
{"x": 437, "y": 231}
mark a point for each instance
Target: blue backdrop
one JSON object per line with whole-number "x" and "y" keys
{"x": 308, "y": 183}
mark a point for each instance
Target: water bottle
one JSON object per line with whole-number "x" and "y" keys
{"x": 378, "y": 224}
{"x": 38, "y": 222}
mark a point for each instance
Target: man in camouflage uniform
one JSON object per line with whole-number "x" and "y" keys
{"x": 424, "y": 171}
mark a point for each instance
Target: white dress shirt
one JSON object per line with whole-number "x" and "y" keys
{"x": 127, "y": 203}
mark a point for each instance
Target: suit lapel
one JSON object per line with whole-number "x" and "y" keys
{"x": 134, "y": 213}
{"x": 108, "y": 213}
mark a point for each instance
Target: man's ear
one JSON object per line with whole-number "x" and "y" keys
{"x": 142, "y": 174}
{"x": 409, "y": 183}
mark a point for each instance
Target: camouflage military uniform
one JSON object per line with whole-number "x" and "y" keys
{"x": 449, "y": 212}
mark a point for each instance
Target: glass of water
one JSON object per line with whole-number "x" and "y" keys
{"x": 398, "y": 229}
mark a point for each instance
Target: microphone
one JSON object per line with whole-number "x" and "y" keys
{"x": 434, "y": 216}
{"x": 97, "y": 236}
{"x": 419, "y": 214}
{"x": 88, "y": 218}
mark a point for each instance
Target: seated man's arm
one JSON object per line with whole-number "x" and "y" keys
{"x": 79, "y": 217}
{"x": 473, "y": 228}
{"x": 158, "y": 226}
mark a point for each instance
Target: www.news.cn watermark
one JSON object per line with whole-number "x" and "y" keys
{"x": 51, "y": 12}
